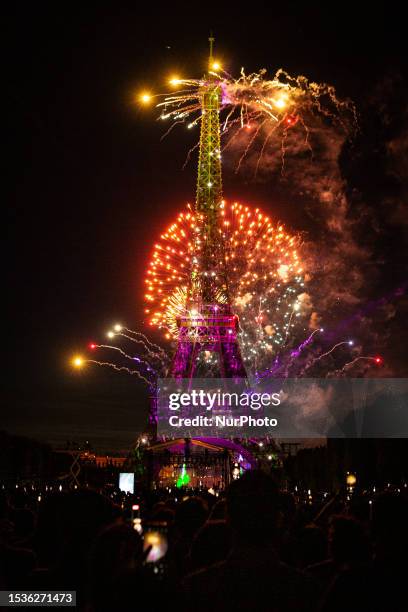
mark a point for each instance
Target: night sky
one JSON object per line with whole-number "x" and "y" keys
{"x": 93, "y": 185}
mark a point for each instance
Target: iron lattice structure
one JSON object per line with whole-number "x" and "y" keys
{"x": 209, "y": 324}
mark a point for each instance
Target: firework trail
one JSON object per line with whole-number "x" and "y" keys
{"x": 148, "y": 366}
{"x": 145, "y": 338}
{"x": 349, "y": 342}
{"x": 117, "y": 368}
{"x": 305, "y": 343}
{"x": 350, "y": 364}
{"x": 146, "y": 346}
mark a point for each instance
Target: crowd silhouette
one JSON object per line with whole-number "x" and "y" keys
{"x": 256, "y": 548}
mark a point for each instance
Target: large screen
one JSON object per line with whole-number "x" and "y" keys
{"x": 127, "y": 482}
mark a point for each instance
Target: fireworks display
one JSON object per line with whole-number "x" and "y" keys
{"x": 314, "y": 356}
{"x": 259, "y": 113}
{"x": 260, "y": 258}
{"x": 280, "y": 334}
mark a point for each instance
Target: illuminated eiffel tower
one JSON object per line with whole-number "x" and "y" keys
{"x": 209, "y": 323}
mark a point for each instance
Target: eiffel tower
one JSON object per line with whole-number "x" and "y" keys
{"x": 209, "y": 323}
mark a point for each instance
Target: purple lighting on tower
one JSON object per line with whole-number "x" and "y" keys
{"x": 214, "y": 329}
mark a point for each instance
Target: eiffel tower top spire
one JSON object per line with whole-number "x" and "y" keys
{"x": 211, "y": 40}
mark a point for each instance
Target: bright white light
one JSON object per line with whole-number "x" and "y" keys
{"x": 78, "y": 361}
{"x": 280, "y": 102}
{"x": 145, "y": 98}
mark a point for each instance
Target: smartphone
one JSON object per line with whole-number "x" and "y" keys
{"x": 155, "y": 537}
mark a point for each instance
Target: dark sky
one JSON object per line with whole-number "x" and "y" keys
{"x": 92, "y": 185}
